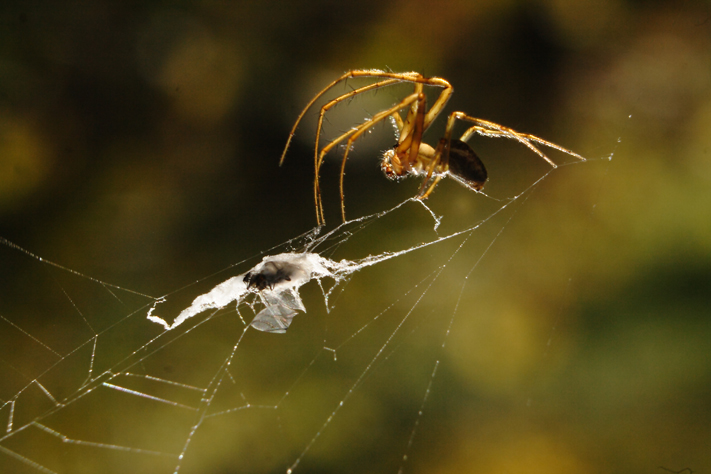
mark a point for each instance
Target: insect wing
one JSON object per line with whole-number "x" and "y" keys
{"x": 275, "y": 319}
{"x": 288, "y": 298}
{"x": 280, "y": 309}
{"x": 465, "y": 166}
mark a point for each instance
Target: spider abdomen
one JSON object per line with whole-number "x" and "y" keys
{"x": 465, "y": 166}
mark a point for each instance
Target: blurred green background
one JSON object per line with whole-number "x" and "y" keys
{"x": 139, "y": 145}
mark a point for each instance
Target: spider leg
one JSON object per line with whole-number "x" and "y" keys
{"x": 403, "y": 127}
{"x": 488, "y": 132}
{"x": 443, "y": 146}
{"x": 431, "y": 166}
{"x": 422, "y": 196}
{"x": 420, "y": 123}
{"x": 413, "y": 128}
{"x": 442, "y": 150}
{"x": 419, "y": 126}
{"x": 353, "y": 135}
{"x": 484, "y": 127}
{"x": 491, "y": 129}
{"x": 389, "y": 78}
{"x": 398, "y": 123}
{"x": 434, "y": 110}
{"x": 326, "y": 107}
{"x": 440, "y": 102}
{"x": 497, "y": 133}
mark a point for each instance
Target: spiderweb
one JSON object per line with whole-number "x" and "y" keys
{"x": 274, "y": 364}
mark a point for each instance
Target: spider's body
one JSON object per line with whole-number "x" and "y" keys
{"x": 463, "y": 165}
{"x": 411, "y": 156}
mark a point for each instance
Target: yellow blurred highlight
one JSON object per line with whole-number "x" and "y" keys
{"x": 439, "y": 27}
{"x": 202, "y": 75}
{"x": 511, "y": 450}
{"x": 25, "y": 163}
{"x": 496, "y": 348}
{"x": 585, "y": 22}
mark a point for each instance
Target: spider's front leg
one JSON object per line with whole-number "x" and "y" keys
{"x": 411, "y": 156}
{"x": 350, "y": 137}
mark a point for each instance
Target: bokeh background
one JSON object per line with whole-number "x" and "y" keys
{"x": 139, "y": 145}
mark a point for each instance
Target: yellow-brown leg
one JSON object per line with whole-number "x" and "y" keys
{"x": 420, "y": 123}
{"x": 491, "y": 129}
{"x": 353, "y": 135}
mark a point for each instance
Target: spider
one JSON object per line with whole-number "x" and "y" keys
{"x": 411, "y": 156}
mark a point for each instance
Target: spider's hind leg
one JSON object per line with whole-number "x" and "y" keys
{"x": 491, "y": 129}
